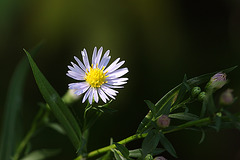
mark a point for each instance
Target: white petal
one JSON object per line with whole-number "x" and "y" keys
{"x": 110, "y": 92}
{"x": 80, "y": 64}
{"x": 118, "y": 81}
{"x": 90, "y": 97}
{"x": 77, "y": 69}
{"x": 117, "y": 73}
{"x": 75, "y": 75}
{"x": 85, "y": 59}
{"x": 110, "y": 86}
{"x": 116, "y": 67}
{"x": 95, "y": 95}
{"x": 80, "y": 87}
{"x": 94, "y": 57}
{"x": 103, "y": 96}
{"x": 105, "y": 57}
{"x": 86, "y": 95}
{"x": 112, "y": 65}
{"x": 99, "y": 55}
{"x": 104, "y": 62}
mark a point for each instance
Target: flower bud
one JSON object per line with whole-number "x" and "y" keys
{"x": 217, "y": 81}
{"x": 226, "y": 98}
{"x": 70, "y": 97}
{"x": 160, "y": 158}
{"x": 163, "y": 121}
{"x": 195, "y": 91}
{"x": 201, "y": 96}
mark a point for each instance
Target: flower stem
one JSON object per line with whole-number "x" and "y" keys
{"x": 199, "y": 122}
{"x": 37, "y": 120}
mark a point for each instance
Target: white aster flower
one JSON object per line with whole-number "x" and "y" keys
{"x": 97, "y": 80}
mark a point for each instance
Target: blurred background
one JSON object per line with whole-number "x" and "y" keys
{"x": 160, "y": 42}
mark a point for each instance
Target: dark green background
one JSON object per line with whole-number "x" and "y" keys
{"x": 160, "y": 41}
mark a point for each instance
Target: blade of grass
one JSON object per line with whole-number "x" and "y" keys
{"x": 57, "y": 106}
{"x": 12, "y": 120}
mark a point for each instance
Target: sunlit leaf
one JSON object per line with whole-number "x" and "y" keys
{"x": 57, "y": 106}
{"x": 12, "y": 121}
{"x": 151, "y": 106}
{"x": 136, "y": 153}
{"x": 117, "y": 155}
{"x": 122, "y": 149}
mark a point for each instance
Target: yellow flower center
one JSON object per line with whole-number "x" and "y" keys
{"x": 95, "y": 77}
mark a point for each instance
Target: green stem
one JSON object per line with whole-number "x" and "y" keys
{"x": 40, "y": 115}
{"x": 24, "y": 142}
{"x": 139, "y": 136}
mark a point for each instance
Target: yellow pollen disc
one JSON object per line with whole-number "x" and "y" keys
{"x": 95, "y": 77}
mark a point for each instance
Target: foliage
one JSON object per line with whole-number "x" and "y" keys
{"x": 175, "y": 105}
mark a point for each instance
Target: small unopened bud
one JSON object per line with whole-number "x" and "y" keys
{"x": 70, "y": 96}
{"x": 159, "y": 158}
{"x": 217, "y": 81}
{"x": 195, "y": 91}
{"x": 201, "y": 96}
{"x": 163, "y": 121}
{"x": 226, "y": 98}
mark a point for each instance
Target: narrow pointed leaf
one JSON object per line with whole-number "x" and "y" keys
{"x": 117, "y": 156}
{"x": 167, "y": 145}
{"x": 172, "y": 93}
{"x": 202, "y": 137}
{"x": 151, "y": 106}
{"x": 150, "y": 142}
{"x": 122, "y": 149}
{"x": 59, "y": 109}
{"x": 12, "y": 121}
{"x": 184, "y": 116}
{"x": 182, "y": 90}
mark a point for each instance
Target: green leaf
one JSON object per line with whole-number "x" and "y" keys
{"x": 184, "y": 116}
{"x": 151, "y": 106}
{"x": 167, "y": 145}
{"x": 148, "y": 157}
{"x": 12, "y": 120}
{"x": 56, "y": 127}
{"x": 41, "y": 154}
{"x": 233, "y": 118}
{"x": 208, "y": 105}
{"x": 182, "y": 90}
{"x": 144, "y": 125}
{"x": 150, "y": 142}
{"x": 136, "y": 153}
{"x": 202, "y": 137}
{"x": 57, "y": 106}
{"x": 171, "y": 95}
{"x": 117, "y": 155}
{"x": 165, "y": 109}
{"x": 218, "y": 121}
{"x": 158, "y": 151}
{"x": 122, "y": 149}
